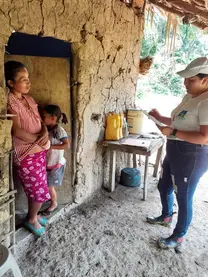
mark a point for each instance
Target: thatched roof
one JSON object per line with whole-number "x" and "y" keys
{"x": 192, "y": 11}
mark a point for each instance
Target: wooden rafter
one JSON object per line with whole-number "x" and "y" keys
{"x": 195, "y": 10}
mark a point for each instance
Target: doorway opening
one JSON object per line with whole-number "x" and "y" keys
{"x": 49, "y": 62}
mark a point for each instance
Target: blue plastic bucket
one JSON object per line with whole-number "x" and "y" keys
{"x": 130, "y": 177}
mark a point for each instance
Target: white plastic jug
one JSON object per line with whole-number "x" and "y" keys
{"x": 135, "y": 121}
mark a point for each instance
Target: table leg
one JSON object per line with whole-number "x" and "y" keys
{"x": 140, "y": 160}
{"x": 158, "y": 159}
{"x": 112, "y": 170}
{"x": 134, "y": 161}
{"x": 145, "y": 177}
{"x": 129, "y": 159}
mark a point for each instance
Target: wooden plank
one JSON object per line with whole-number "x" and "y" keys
{"x": 12, "y": 224}
{"x": 116, "y": 145}
{"x": 158, "y": 159}
{"x": 128, "y": 149}
{"x": 112, "y": 174}
{"x": 145, "y": 178}
{"x": 7, "y": 219}
{"x": 5, "y": 204}
{"x": 143, "y": 143}
{"x": 134, "y": 161}
{"x": 8, "y": 194}
{"x": 155, "y": 145}
{"x": 140, "y": 160}
{"x": 12, "y": 205}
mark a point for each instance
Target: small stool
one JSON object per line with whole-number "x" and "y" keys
{"x": 7, "y": 262}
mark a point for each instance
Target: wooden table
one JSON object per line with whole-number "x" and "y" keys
{"x": 156, "y": 144}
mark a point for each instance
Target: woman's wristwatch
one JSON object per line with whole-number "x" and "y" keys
{"x": 173, "y": 134}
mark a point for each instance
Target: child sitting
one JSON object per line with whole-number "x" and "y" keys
{"x": 56, "y": 162}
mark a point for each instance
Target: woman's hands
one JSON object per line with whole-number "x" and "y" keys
{"x": 155, "y": 114}
{"x": 47, "y": 145}
{"x": 43, "y": 138}
{"x": 20, "y": 133}
{"x": 43, "y": 130}
{"x": 166, "y": 131}
{"x": 165, "y": 120}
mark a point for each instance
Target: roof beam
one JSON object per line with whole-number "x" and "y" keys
{"x": 189, "y": 12}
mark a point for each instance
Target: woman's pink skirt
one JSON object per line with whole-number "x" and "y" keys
{"x": 32, "y": 172}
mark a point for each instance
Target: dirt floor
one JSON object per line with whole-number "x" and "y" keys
{"x": 109, "y": 237}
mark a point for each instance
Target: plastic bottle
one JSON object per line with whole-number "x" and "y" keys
{"x": 125, "y": 128}
{"x": 112, "y": 131}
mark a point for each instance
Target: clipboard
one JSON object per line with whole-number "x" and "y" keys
{"x": 152, "y": 118}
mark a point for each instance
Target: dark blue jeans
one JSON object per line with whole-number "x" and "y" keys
{"x": 182, "y": 168}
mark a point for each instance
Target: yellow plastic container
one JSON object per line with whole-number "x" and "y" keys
{"x": 135, "y": 121}
{"x": 114, "y": 125}
{"x": 121, "y": 125}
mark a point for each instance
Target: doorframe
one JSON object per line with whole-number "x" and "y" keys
{"x": 23, "y": 44}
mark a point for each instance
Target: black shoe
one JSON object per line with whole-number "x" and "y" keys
{"x": 170, "y": 242}
{"x": 161, "y": 220}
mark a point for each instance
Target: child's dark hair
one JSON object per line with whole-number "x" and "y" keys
{"x": 11, "y": 68}
{"x": 56, "y": 111}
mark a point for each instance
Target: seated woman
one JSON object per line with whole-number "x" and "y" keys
{"x": 30, "y": 142}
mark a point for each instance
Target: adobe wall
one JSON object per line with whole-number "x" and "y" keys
{"x": 106, "y": 39}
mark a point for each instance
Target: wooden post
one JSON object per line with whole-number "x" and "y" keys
{"x": 158, "y": 159}
{"x": 140, "y": 160}
{"x": 145, "y": 177}
{"x": 112, "y": 172}
{"x": 134, "y": 161}
{"x": 12, "y": 204}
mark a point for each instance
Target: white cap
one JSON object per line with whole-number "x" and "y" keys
{"x": 199, "y": 65}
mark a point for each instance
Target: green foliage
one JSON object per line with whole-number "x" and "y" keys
{"x": 149, "y": 46}
{"x": 162, "y": 78}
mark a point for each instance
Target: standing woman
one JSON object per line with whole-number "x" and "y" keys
{"x": 30, "y": 141}
{"x": 186, "y": 158}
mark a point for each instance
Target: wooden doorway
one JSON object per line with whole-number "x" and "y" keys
{"x": 50, "y": 84}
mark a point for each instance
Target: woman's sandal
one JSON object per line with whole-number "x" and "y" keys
{"x": 48, "y": 212}
{"x": 38, "y": 232}
{"x": 43, "y": 221}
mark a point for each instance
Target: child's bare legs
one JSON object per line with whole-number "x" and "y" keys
{"x": 33, "y": 208}
{"x": 53, "y": 195}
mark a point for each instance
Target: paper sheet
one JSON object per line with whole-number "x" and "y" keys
{"x": 153, "y": 119}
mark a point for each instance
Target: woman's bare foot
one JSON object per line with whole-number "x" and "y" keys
{"x": 52, "y": 207}
{"x": 36, "y": 224}
{"x": 49, "y": 210}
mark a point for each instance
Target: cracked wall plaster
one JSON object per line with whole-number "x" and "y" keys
{"x": 106, "y": 40}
